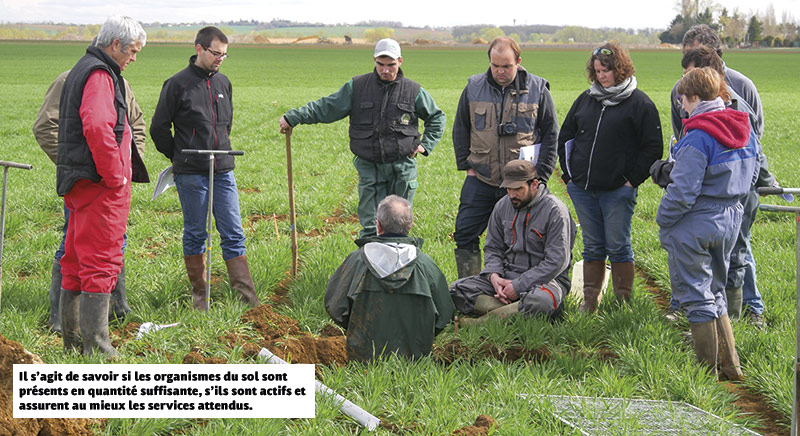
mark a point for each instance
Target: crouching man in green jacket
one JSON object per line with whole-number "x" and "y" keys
{"x": 388, "y": 295}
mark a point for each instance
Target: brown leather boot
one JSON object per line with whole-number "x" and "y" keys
{"x": 593, "y": 275}
{"x": 196, "y": 270}
{"x": 729, "y": 359}
{"x": 622, "y": 278}
{"x": 704, "y": 336}
{"x": 239, "y": 275}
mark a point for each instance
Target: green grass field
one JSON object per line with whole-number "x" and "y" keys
{"x": 627, "y": 352}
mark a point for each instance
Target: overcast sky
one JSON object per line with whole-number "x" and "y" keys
{"x": 620, "y": 13}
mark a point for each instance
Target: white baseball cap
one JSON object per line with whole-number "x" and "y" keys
{"x": 387, "y": 47}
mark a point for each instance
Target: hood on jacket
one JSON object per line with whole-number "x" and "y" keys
{"x": 729, "y": 127}
{"x": 388, "y": 258}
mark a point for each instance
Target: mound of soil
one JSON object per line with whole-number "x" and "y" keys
{"x": 483, "y": 423}
{"x": 310, "y": 349}
{"x": 270, "y": 324}
{"x": 10, "y": 353}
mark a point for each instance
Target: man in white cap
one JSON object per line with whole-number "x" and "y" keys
{"x": 384, "y": 109}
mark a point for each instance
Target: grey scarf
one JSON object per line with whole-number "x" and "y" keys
{"x": 709, "y": 106}
{"x": 613, "y": 95}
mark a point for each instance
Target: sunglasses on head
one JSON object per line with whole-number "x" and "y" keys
{"x": 602, "y": 51}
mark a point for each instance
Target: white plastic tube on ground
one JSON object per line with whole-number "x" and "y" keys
{"x": 345, "y": 406}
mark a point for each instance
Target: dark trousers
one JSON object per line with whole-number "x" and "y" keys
{"x": 477, "y": 202}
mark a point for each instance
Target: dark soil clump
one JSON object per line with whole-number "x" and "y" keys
{"x": 10, "y": 353}
{"x": 483, "y": 424}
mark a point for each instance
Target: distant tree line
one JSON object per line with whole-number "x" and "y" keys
{"x": 554, "y": 34}
{"x": 735, "y": 28}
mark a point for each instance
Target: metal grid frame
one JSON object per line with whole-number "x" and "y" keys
{"x": 594, "y": 416}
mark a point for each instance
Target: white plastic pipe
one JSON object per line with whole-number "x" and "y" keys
{"x": 345, "y": 406}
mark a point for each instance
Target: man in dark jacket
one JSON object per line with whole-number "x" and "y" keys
{"x": 500, "y": 112}
{"x": 197, "y": 103}
{"x": 384, "y": 109}
{"x": 528, "y": 252}
{"x": 389, "y": 295}
{"x": 94, "y": 172}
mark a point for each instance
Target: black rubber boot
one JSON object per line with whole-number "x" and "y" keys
{"x": 118, "y": 308}
{"x": 69, "y": 306}
{"x": 55, "y": 296}
{"x": 468, "y": 262}
{"x": 94, "y": 324}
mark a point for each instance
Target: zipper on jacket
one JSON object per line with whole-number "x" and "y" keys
{"x": 591, "y": 153}
{"x": 386, "y": 91}
{"x": 524, "y": 231}
{"x": 213, "y": 120}
{"x": 499, "y": 120}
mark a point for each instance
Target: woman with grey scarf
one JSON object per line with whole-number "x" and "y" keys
{"x": 609, "y": 139}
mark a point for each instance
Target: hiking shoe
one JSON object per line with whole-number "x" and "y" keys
{"x": 674, "y": 315}
{"x": 757, "y": 320}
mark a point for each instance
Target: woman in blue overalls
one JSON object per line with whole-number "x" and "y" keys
{"x": 700, "y": 213}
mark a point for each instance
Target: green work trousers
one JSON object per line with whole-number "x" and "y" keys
{"x": 376, "y": 181}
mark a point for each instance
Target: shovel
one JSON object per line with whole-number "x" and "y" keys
{"x": 292, "y": 217}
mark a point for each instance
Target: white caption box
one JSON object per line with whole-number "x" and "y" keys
{"x": 163, "y": 391}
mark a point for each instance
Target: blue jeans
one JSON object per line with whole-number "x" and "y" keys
{"x": 60, "y": 251}
{"x": 605, "y": 218}
{"x": 193, "y": 193}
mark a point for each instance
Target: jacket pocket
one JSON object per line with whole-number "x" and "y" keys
{"x": 479, "y": 123}
{"x": 365, "y": 113}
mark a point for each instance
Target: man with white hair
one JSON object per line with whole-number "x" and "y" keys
{"x": 389, "y": 296}
{"x": 384, "y": 109}
{"x": 94, "y": 174}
